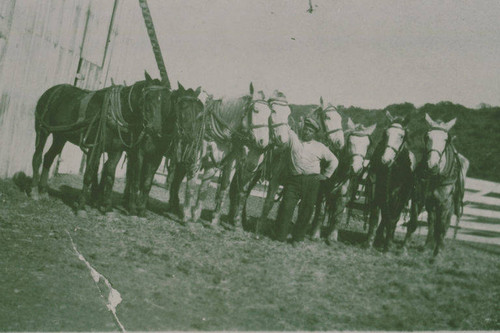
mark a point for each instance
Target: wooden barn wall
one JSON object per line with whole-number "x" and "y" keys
{"x": 42, "y": 46}
{"x": 129, "y": 54}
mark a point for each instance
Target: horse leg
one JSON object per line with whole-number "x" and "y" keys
{"x": 173, "y": 202}
{"x": 206, "y": 180}
{"x": 431, "y": 227}
{"x": 234, "y": 197}
{"x": 189, "y": 198}
{"x": 373, "y": 223}
{"x": 222, "y": 192}
{"x": 108, "y": 179}
{"x": 56, "y": 148}
{"x": 134, "y": 167}
{"x": 336, "y": 214}
{"x": 150, "y": 165}
{"x": 268, "y": 202}
{"x": 41, "y": 139}
{"x": 92, "y": 165}
{"x": 412, "y": 225}
{"x": 442, "y": 222}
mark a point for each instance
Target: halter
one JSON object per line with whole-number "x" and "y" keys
{"x": 440, "y": 153}
{"x": 323, "y": 113}
{"x": 271, "y": 124}
{"x": 363, "y": 157}
{"x": 396, "y": 151}
{"x": 249, "y": 113}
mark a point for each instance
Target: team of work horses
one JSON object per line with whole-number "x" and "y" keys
{"x": 245, "y": 139}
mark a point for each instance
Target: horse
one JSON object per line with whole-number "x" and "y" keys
{"x": 389, "y": 180}
{"x": 439, "y": 184}
{"x": 278, "y": 161}
{"x": 181, "y": 139}
{"x": 110, "y": 120}
{"x": 236, "y": 129}
{"x": 244, "y": 178}
{"x": 336, "y": 191}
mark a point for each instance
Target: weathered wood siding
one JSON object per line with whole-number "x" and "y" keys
{"x": 47, "y": 42}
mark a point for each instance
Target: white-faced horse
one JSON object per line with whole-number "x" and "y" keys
{"x": 390, "y": 180}
{"x": 440, "y": 183}
{"x": 336, "y": 191}
{"x": 278, "y": 164}
{"x": 236, "y": 130}
{"x": 246, "y": 176}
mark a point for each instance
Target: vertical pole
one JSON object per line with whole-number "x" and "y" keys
{"x": 148, "y": 20}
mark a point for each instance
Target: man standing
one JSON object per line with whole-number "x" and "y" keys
{"x": 306, "y": 155}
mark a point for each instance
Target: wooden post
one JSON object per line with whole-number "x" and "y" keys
{"x": 148, "y": 20}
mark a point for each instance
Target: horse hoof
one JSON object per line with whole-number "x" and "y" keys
{"x": 82, "y": 214}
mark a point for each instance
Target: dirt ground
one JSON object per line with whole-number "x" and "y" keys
{"x": 176, "y": 277}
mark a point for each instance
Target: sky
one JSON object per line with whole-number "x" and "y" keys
{"x": 352, "y": 52}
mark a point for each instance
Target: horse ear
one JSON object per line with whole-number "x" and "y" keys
{"x": 197, "y": 91}
{"x": 389, "y": 116}
{"x": 321, "y": 102}
{"x": 180, "y": 86}
{"x": 369, "y": 130}
{"x": 251, "y": 89}
{"x": 350, "y": 124}
{"x": 261, "y": 95}
{"x": 429, "y": 121}
{"x": 147, "y": 76}
{"x": 406, "y": 121}
{"x": 450, "y": 124}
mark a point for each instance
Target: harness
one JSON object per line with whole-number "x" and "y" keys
{"x": 218, "y": 127}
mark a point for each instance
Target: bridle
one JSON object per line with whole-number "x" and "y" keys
{"x": 440, "y": 153}
{"x": 398, "y": 150}
{"x": 146, "y": 123}
{"x": 363, "y": 157}
{"x": 323, "y": 120}
{"x": 273, "y": 126}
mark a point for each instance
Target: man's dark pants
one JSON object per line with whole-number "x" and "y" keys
{"x": 304, "y": 188}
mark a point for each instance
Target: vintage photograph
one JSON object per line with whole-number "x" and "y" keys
{"x": 236, "y": 165}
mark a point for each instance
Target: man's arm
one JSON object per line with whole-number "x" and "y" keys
{"x": 331, "y": 161}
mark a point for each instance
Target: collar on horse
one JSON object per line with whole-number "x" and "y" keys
{"x": 218, "y": 125}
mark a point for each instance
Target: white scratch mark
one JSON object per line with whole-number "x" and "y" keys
{"x": 114, "y": 297}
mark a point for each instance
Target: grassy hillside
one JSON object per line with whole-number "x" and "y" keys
{"x": 477, "y": 131}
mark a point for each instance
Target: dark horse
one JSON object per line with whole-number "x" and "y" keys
{"x": 109, "y": 120}
{"x": 439, "y": 184}
{"x": 390, "y": 181}
{"x": 181, "y": 139}
{"x": 336, "y": 191}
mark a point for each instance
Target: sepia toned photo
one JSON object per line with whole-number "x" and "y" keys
{"x": 264, "y": 165}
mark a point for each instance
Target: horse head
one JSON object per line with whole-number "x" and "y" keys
{"x": 155, "y": 98}
{"x": 188, "y": 110}
{"x": 280, "y": 111}
{"x": 358, "y": 141}
{"x": 331, "y": 123}
{"x": 436, "y": 140}
{"x": 394, "y": 137}
{"x": 257, "y": 118}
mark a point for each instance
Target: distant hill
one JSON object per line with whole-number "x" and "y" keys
{"x": 477, "y": 131}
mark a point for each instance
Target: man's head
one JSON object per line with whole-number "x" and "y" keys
{"x": 310, "y": 128}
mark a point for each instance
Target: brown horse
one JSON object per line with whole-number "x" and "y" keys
{"x": 181, "y": 135}
{"x": 237, "y": 131}
{"x": 439, "y": 184}
{"x": 390, "y": 181}
{"x": 110, "y": 120}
